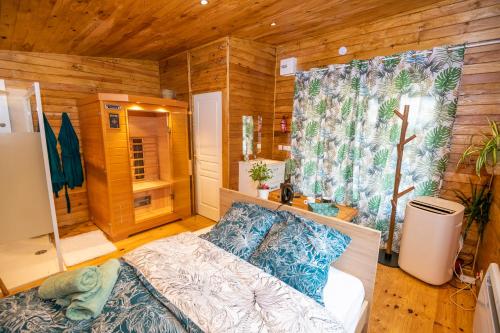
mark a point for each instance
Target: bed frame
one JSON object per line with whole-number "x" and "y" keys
{"x": 360, "y": 258}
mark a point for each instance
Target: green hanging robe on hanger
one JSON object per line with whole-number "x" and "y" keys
{"x": 70, "y": 155}
{"x": 56, "y": 172}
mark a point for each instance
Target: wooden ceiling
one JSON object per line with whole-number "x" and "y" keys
{"x": 154, "y": 29}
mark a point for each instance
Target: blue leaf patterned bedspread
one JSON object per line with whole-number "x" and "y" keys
{"x": 181, "y": 284}
{"x": 132, "y": 307}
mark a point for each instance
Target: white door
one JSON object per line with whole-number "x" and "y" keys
{"x": 207, "y": 130}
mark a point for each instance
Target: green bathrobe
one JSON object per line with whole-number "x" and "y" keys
{"x": 70, "y": 155}
{"x": 56, "y": 172}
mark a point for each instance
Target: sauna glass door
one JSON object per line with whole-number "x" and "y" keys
{"x": 150, "y": 164}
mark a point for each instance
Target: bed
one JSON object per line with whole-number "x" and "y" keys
{"x": 184, "y": 283}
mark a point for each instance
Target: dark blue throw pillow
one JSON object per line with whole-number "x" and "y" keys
{"x": 242, "y": 229}
{"x": 299, "y": 252}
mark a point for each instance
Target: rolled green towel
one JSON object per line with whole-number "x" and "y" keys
{"x": 91, "y": 307}
{"x": 62, "y": 285}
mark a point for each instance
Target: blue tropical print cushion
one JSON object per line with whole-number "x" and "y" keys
{"x": 242, "y": 229}
{"x": 299, "y": 252}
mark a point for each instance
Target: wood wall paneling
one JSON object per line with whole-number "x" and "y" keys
{"x": 244, "y": 72}
{"x": 251, "y": 91}
{"x": 66, "y": 78}
{"x": 447, "y": 22}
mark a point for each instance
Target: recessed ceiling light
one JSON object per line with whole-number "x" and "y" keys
{"x": 273, "y": 24}
{"x": 204, "y": 2}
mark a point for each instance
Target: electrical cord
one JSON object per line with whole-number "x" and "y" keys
{"x": 467, "y": 287}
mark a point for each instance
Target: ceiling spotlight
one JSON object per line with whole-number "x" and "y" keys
{"x": 204, "y": 2}
{"x": 273, "y": 24}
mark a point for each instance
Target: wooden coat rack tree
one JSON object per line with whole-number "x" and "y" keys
{"x": 386, "y": 256}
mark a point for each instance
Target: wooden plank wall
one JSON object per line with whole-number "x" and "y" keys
{"x": 66, "y": 78}
{"x": 447, "y": 22}
{"x": 244, "y": 72}
{"x": 251, "y": 93}
{"x": 174, "y": 75}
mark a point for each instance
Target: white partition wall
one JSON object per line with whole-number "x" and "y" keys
{"x": 29, "y": 240}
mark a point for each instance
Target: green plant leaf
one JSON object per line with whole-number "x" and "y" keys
{"x": 391, "y": 62}
{"x": 260, "y": 172}
{"x": 314, "y": 87}
{"x": 341, "y": 153}
{"x": 309, "y": 169}
{"x": 347, "y": 173}
{"x": 441, "y": 165}
{"x": 321, "y": 108}
{"x": 319, "y": 149}
{"x": 374, "y": 204}
{"x": 394, "y": 133}
{"x": 403, "y": 81}
{"x": 339, "y": 194}
{"x": 451, "y": 108}
{"x": 317, "y": 187}
{"x": 380, "y": 158}
{"x": 382, "y": 225}
{"x": 447, "y": 79}
{"x": 350, "y": 130}
{"x": 345, "y": 110}
{"x": 388, "y": 181}
{"x": 437, "y": 137}
{"x": 427, "y": 188}
{"x": 312, "y": 129}
{"x": 356, "y": 84}
{"x": 356, "y": 153}
{"x": 361, "y": 109}
{"x": 386, "y": 109}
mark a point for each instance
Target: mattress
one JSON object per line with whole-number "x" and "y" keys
{"x": 343, "y": 296}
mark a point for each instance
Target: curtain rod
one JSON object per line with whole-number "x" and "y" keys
{"x": 466, "y": 46}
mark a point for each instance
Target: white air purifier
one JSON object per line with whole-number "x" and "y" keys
{"x": 430, "y": 241}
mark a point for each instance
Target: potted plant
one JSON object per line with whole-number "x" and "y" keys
{"x": 477, "y": 205}
{"x": 260, "y": 173}
{"x": 477, "y": 209}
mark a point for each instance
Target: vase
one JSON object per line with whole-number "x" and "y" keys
{"x": 263, "y": 194}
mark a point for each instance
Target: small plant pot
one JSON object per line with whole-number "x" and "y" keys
{"x": 263, "y": 194}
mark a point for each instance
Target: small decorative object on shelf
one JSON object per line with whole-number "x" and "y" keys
{"x": 324, "y": 208}
{"x": 260, "y": 173}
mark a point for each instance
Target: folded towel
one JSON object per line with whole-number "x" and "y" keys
{"x": 91, "y": 307}
{"x": 59, "y": 286}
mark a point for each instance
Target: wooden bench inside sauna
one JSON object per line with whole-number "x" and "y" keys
{"x": 136, "y": 153}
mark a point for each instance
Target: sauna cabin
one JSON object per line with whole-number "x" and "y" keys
{"x": 136, "y": 153}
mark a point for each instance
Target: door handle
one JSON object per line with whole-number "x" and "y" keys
{"x": 3, "y": 124}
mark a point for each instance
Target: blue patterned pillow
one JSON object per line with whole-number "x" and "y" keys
{"x": 299, "y": 252}
{"x": 242, "y": 229}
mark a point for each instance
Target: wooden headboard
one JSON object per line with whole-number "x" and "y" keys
{"x": 361, "y": 257}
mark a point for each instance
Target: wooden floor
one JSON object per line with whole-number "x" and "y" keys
{"x": 401, "y": 303}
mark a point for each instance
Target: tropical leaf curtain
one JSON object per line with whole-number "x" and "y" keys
{"x": 344, "y": 130}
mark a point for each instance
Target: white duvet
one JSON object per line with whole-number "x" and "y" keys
{"x": 220, "y": 292}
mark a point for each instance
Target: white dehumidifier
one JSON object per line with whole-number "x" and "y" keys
{"x": 430, "y": 240}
